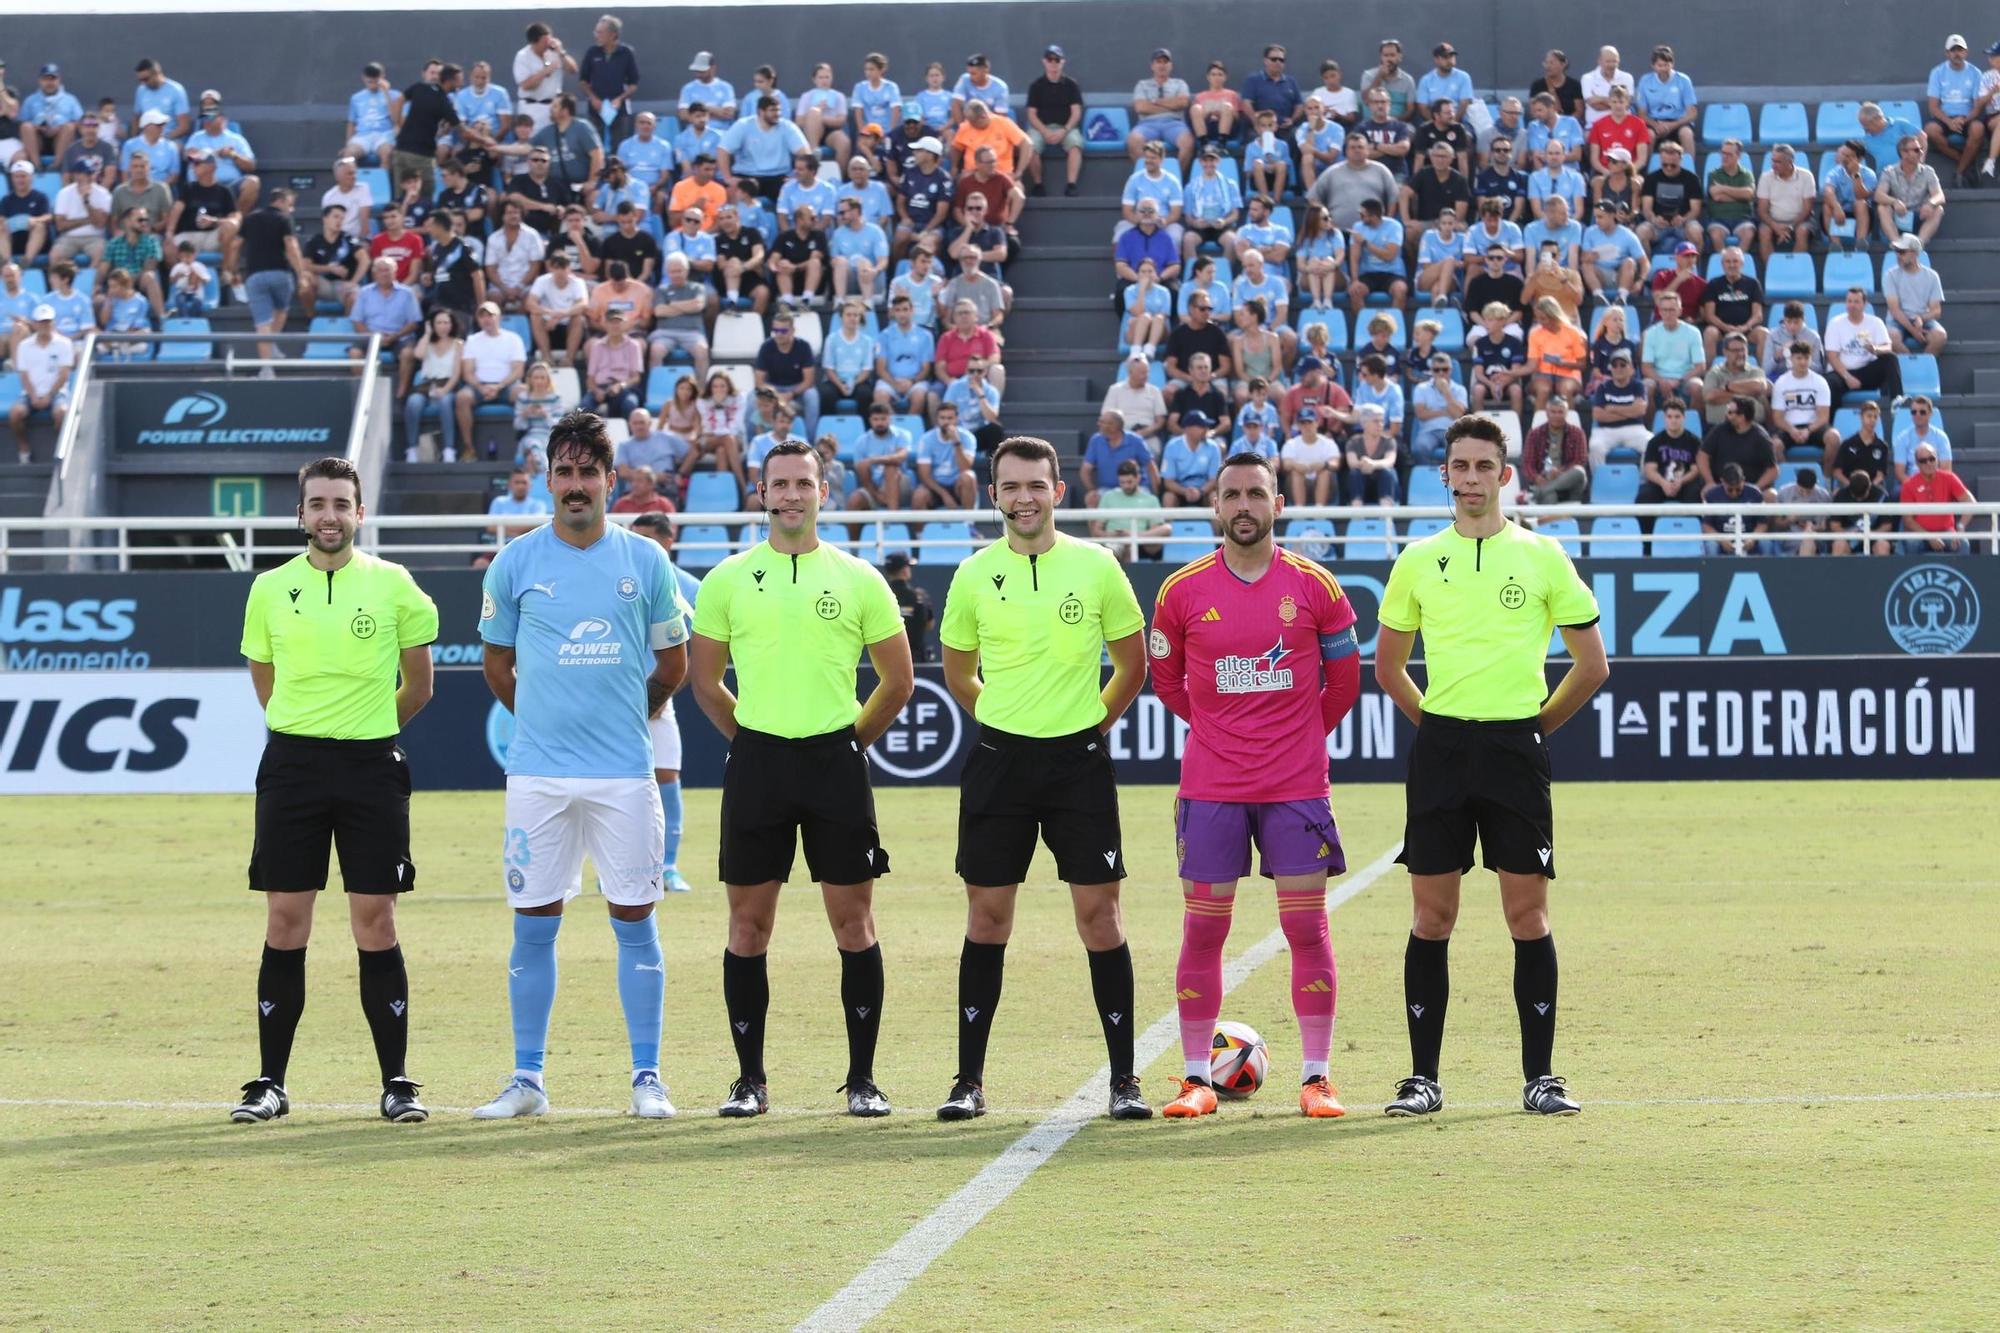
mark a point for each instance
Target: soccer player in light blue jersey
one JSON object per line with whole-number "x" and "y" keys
{"x": 665, "y": 726}
{"x": 585, "y": 637}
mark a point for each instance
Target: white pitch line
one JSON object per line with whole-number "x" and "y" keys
{"x": 873, "y": 1289}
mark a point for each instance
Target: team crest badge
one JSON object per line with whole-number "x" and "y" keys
{"x": 1288, "y": 610}
{"x": 628, "y": 588}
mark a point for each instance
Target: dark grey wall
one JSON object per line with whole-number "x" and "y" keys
{"x": 314, "y": 58}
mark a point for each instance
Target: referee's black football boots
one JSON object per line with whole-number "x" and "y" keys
{"x": 864, "y": 1098}
{"x": 746, "y": 1099}
{"x": 967, "y": 1102}
{"x": 1126, "y": 1103}
{"x": 1548, "y": 1095}
{"x": 1416, "y": 1095}
{"x": 400, "y": 1105}
{"x": 262, "y": 1100}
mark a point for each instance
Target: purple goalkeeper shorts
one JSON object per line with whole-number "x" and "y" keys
{"x": 1292, "y": 837}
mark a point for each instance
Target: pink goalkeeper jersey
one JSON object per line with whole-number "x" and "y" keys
{"x": 1245, "y": 665}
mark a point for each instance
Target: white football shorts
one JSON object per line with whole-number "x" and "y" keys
{"x": 666, "y": 729}
{"x": 552, "y": 822}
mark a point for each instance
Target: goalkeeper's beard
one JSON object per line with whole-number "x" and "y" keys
{"x": 1234, "y": 530}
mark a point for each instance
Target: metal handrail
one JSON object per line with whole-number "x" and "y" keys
{"x": 73, "y": 419}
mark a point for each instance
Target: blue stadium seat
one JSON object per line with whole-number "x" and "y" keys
{"x": 1616, "y": 539}
{"x": 690, "y": 539}
{"x": 1790, "y": 275}
{"x": 1565, "y": 531}
{"x": 1713, "y": 269}
{"x": 712, "y": 493}
{"x": 945, "y": 544}
{"x": 86, "y": 281}
{"x": 1427, "y": 487}
{"x": 1316, "y": 536}
{"x": 1847, "y": 421}
{"x": 50, "y": 184}
{"x": 1774, "y": 314}
{"x": 1837, "y": 121}
{"x": 1451, "y": 334}
{"x": 1104, "y": 130}
{"x": 1920, "y": 374}
{"x": 1844, "y": 271}
{"x": 1677, "y": 525}
{"x": 1400, "y": 338}
{"x": 1614, "y": 484}
{"x": 186, "y": 351}
{"x": 660, "y": 381}
{"x": 377, "y": 181}
{"x": 1232, "y": 171}
{"x": 879, "y": 539}
{"x": 1336, "y": 327}
{"x": 332, "y": 349}
{"x": 1902, "y": 108}
{"x": 1192, "y": 539}
{"x": 1156, "y": 373}
{"x": 10, "y": 388}
{"x": 845, "y": 428}
{"x": 33, "y": 280}
{"x": 1803, "y": 453}
{"x": 1783, "y": 122}
{"x": 1901, "y": 421}
{"x": 1725, "y": 120}
{"x": 1368, "y": 539}
{"x": 1420, "y": 528}
{"x": 519, "y": 327}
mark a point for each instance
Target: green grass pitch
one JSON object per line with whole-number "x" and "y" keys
{"x": 1761, "y": 983}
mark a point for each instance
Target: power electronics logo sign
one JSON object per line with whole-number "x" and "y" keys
{"x": 1930, "y": 610}
{"x": 590, "y": 644}
{"x": 50, "y": 634}
{"x": 924, "y": 736}
{"x": 195, "y": 420}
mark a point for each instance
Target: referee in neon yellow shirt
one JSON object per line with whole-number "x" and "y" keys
{"x": 1484, "y": 593}
{"x": 328, "y": 634}
{"x": 1025, "y": 628}
{"x": 793, "y": 616}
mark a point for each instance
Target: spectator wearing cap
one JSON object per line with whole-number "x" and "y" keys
{"x": 374, "y": 111}
{"x": 1445, "y": 81}
{"x": 44, "y": 359}
{"x": 1055, "y": 120}
{"x": 761, "y": 148}
{"x": 1138, "y": 401}
{"x": 1555, "y": 459}
{"x": 1212, "y": 205}
{"x": 1618, "y": 411}
{"x": 540, "y": 67}
{"x": 923, "y": 200}
{"x": 162, "y": 154}
{"x": 1950, "y": 97}
{"x": 710, "y": 90}
{"x": 897, "y": 154}
{"x": 1190, "y": 463}
{"x": 82, "y": 213}
{"x": 1913, "y": 298}
{"x": 1159, "y": 106}
{"x": 1311, "y": 460}
{"x": 1389, "y": 75}
{"x": 1908, "y": 195}
{"x": 979, "y": 84}
{"x": 235, "y": 163}
{"x": 1618, "y": 129}
{"x": 1785, "y": 198}
{"x": 25, "y": 219}
{"x": 698, "y": 191}
{"x": 49, "y": 116}
{"x": 943, "y": 461}
{"x": 609, "y": 73}
{"x": 156, "y": 92}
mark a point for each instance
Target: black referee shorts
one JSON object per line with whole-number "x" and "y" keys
{"x": 1488, "y": 780}
{"x": 1062, "y": 787}
{"x": 352, "y": 796}
{"x": 777, "y": 792}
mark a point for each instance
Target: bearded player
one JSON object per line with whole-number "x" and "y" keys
{"x": 1255, "y": 648}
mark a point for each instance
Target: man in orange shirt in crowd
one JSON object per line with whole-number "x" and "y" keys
{"x": 698, "y": 187}
{"x": 982, "y": 129}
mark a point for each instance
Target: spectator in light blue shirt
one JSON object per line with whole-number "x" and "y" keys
{"x": 698, "y": 137}
{"x": 943, "y": 479}
{"x": 482, "y": 103}
{"x": 163, "y": 155}
{"x": 876, "y": 100}
{"x": 904, "y": 351}
{"x": 1556, "y": 178}
{"x": 1948, "y": 97}
{"x": 1616, "y": 257}
{"x": 648, "y": 157}
{"x": 933, "y": 101}
{"x": 1190, "y": 463}
{"x": 1152, "y": 181}
{"x": 49, "y": 116}
{"x": 1665, "y": 100}
{"x": 862, "y": 187}
{"x": 1881, "y": 136}
{"x": 1446, "y": 79}
{"x": 970, "y": 390}
{"x": 386, "y": 307}
{"x": 847, "y": 361}
{"x": 157, "y": 92}
{"x": 373, "y": 113}
{"x": 1556, "y": 228}
{"x": 860, "y": 253}
{"x": 1919, "y": 431}
{"x": 1848, "y": 191}
{"x": 230, "y": 150}
{"x": 980, "y": 84}
{"x": 1546, "y": 124}
{"x": 1377, "y": 255}
{"x": 805, "y": 187}
{"x": 1373, "y": 384}
{"x": 709, "y": 90}
{"x": 762, "y": 147}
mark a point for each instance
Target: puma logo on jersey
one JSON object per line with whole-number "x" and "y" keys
{"x": 549, "y": 588}
{"x": 1211, "y": 614}
{"x": 1317, "y": 986}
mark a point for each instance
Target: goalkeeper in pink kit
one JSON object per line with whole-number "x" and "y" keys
{"x": 1255, "y": 648}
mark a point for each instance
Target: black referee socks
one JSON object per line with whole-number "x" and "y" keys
{"x": 385, "y": 1002}
{"x": 1111, "y": 987}
{"x": 746, "y": 994}
{"x": 980, "y": 969}
{"x": 1426, "y": 987}
{"x": 861, "y": 1001}
{"x": 281, "y": 999}
{"x": 1535, "y": 1000}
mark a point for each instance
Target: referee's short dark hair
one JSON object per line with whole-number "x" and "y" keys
{"x": 1027, "y": 446}
{"x": 794, "y": 449}
{"x": 1476, "y": 426}
{"x": 581, "y": 432}
{"x": 333, "y": 469}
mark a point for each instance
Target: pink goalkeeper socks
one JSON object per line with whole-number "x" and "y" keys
{"x": 1315, "y": 980}
{"x": 1198, "y": 978}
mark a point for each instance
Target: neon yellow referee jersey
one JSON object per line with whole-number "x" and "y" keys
{"x": 333, "y": 638}
{"x": 796, "y": 626}
{"x": 1039, "y": 624}
{"x": 1485, "y": 608}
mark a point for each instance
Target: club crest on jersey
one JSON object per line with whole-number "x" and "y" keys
{"x": 1157, "y": 642}
{"x": 1254, "y": 675}
{"x": 1288, "y": 610}
{"x": 628, "y": 589}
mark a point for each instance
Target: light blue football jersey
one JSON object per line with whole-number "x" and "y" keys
{"x": 584, "y": 625}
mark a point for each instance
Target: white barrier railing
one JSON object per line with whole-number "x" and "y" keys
{"x": 238, "y": 539}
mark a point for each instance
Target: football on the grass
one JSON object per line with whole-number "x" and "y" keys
{"x": 1237, "y": 1060}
